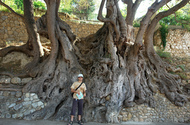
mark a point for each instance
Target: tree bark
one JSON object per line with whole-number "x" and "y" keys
{"x": 131, "y": 10}
{"x": 117, "y": 74}
{"x": 34, "y": 43}
{"x": 168, "y": 83}
{"x": 33, "y": 46}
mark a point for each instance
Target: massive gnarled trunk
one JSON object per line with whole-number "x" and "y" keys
{"x": 117, "y": 74}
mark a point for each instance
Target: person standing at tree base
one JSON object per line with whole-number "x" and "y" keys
{"x": 78, "y": 89}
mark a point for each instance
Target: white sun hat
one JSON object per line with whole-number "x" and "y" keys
{"x": 80, "y": 75}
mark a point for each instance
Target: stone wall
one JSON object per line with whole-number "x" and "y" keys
{"x": 15, "y": 104}
{"x": 178, "y": 42}
{"x": 164, "y": 111}
{"x": 13, "y": 31}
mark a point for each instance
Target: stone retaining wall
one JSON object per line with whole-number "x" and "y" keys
{"x": 164, "y": 111}
{"x": 13, "y": 31}
{"x": 15, "y": 104}
{"x": 178, "y": 42}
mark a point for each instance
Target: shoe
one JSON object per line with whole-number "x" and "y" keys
{"x": 70, "y": 123}
{"x": 80, "y": 123}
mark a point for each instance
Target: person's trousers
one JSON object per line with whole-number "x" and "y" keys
{"x": 77, "y": 103}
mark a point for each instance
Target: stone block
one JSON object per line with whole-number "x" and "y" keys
{"x": 27, "y": 95}
{"x": 125, "y": 119}
{"x": 1, "y": 93}
{"x": 16, "y": 80}
{"x": 2, "y": 116}
{"x": 129, "y": 116}
{"x": 26, "y": 112}
{"x": 14, "y": 116}
{"x": 12, "y": 105}
{"x": 40, "y": 103}
{"x": 19, "y": 115}
{"x": 38, "y": 108}
{"x": 18, "y": 106}
{"x": 13, "y": 93}
{"x": 2, "y": 80}
{"x": 26, "y": 80}
{"x": 8, "y": 80}
{"x": 34, "y": 105}
{"x": 4, "y": 17}
{"x": 32, "y": 94}
{"x": 8, "y": 115}
{"x": 35, "y": 97}
{"x": 27, "y": 104}
{"x": 26, "y": 99}
{"x": 18, "y": 94}
{"x": 6, "y": 93}
{"x": 32, "y": 110}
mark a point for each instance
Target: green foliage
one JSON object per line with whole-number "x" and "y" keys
{"x": 181, "y": 66}
{"x": 163, "y": 32}
{"x": 19, "y": 4}
{"x": 83, "y": 7}
{"x": 65, "y": 6}
{"x": 124, "y": 12}
{"x": 136, "y": 24}
{"x": 163, "y": 54}
{"x": 39, "y": 5}
{"x": 166, "y": 56}
{"x": 180, "y": 18}
{"x": 182, "y": 75}
{"x": 9, "y": 3}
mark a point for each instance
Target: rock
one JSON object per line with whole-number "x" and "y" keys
{"x": 18, "y": 106}
{"x": 125, "y": 119}
{"x": 8, "y": 115}
{"x": 40, "y": 103}
{"x": 6, "y": 93}
{"x": 34, "y": 105}
{"x": 18, "y": 94}
{"x": 26, "y": 99}
{"x": 2, "y": 80}
{"x": 12, "y": 105}
{"x": 16, "y": 80}
{"x": 129, "y": 116}
{"x": 27, "y": 95}
{"x": 26, "y": 80}
{"x": 108, "y": 98}
{"x": 8, "y": 80}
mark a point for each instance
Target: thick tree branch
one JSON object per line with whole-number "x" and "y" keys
{"x": 127, "y": 1}
{"x": 101, "y": 18}
{"x": 176, "y": 17}
{"x": 65, "y": 27}
{"x": 145, "y": 21}
{"x": 51, "y": 26}
{"x": 23, "y": 48}
{"x": 5, "y": 5}
{"x": 159, "y": 16}
{"x": 131, "y": 10}
{"x": 57, "y": 7}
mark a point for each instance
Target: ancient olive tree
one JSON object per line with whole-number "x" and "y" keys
{"x": 117, "y": 73}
